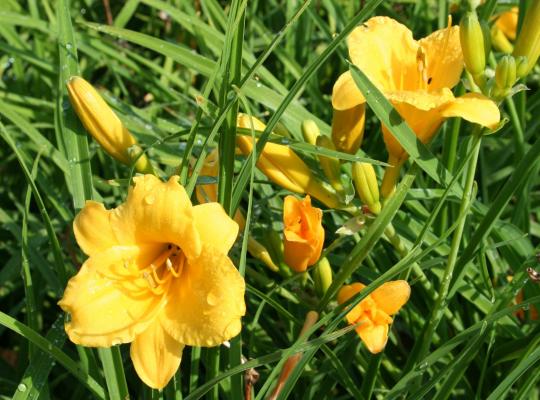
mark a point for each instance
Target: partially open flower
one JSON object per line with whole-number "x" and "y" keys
{"x": 158, "y": 276}
{"x": 373, "y": 314}
{"x": 303, "y": 233}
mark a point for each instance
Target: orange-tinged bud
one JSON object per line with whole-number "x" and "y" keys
{"x": 348, "y": 128}
{"x": 528, "y": 41}
{"x": 104, "y": 125}
{"x": 283, "y": 166}
{"x": 303, "y": 233}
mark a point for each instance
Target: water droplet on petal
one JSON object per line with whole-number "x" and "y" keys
{"x": 212, "y": 299}
{"x": 150, "y": 199}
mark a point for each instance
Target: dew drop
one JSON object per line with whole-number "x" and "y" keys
{"x": 68, "y": 46}
{"x": 150, "y": 199}
{"x": 212, "y": 299}
{"x": 83, "y": 11}
{"x": 21, "y": 387}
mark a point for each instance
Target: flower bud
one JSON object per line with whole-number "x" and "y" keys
{"x": 137, "y": 156}
{"x": 500, "y": 41}
{"x": 330, "y": 165}
{"x": 322, "y": 275}
{"x": 472, "y": 44}
{"x": 522, "y": 65}
{"x": 310, "y": 131}
{"x": 283, "y": 166}
{"x": 528, "y": 41}
{"x": 303, "y": 233}
{"x": 365, "y": 182}
{"x": 505, "y": 73}
{"x": 258, "y": 251}
{"x": 103, "y": 124}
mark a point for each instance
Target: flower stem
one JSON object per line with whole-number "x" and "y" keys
{"x": 424, "y": 342}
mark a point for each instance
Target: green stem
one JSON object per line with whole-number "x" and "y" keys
{"x": 440, "y": 304}
{"x": 371, "y": 376}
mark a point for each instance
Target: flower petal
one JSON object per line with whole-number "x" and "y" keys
{"x": 345, "y": 94}
{"x": 348, "y": 128}
{"x": 92, "y": 228}
{"x": 373, "y": 336}
{"x": 215, "y": 227}
{"x": 386, "y": 52}
{"x": 156, "y": 355}
{"x": 345, "y": 293}
{"x": 297, "y": 254}
{"x": 157, "y": 212}
{"x": 507, "y": 22}
{"x": 206, "y": 302}
{"x": 474, "y": 108}
{"x": 444, "y": 58}
{"x": 391, "y": 296}
{"x": 105, "y": 311}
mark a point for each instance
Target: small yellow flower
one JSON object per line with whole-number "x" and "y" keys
{"x": 373, "y": 313}
{"x": 283, "y": 166}
{"x": 415, "y": 76}
{"x": 507, "y": 22}
{"x": 158, "y": 276}
{"x": 303, "y": 233}
{"x": 104, "y": 125}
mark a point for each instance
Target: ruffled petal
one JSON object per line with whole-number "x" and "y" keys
{"x": 391, "y": 296}
{"x": 92, "y": 228}
{"x": 108, "y": 310}
{"x": 474, "y": 108}
{"x": 157, "y": 211}
{"x": 215, "y": 227}
{"x": 345, "y": 94}
{"x": 206, "y": 302}
{"x": 156, "y": 355}
{"x": 386, "y": 52}
{"x": 373, "y": 336}
{"x": 444, "y": 58}
{"x": 345, "y": 293}
{"x": 297, "y": 254}
{"x": 348, "y": 128}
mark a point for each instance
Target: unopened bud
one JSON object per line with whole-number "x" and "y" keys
{"x": 322, "y": 275}
{"x": 472, "y": 44}
{"x": 367, "y": 187}
{"x": 330, "y": 165}
{"x": 258, "y": 251}
{"x": 103, "y": 124}
{"x": 142, "y": 163}
{"x": 281, "y": 130}
{"x": 528, "y": 41}
{"x": 310, "y": 131}
{"x": 522, "y": 65}
{"x": 505, "y": 73}
{"x": 500, "y": 41}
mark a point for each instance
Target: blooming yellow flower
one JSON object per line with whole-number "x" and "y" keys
{"x": 415, "y": 76}
{"x": 303, "y": 233}
{"x": 158, "y": 276}
{"x": 507, "y": 22}
{"x": 283, "y": 166}
{"x": 373, "y": 313}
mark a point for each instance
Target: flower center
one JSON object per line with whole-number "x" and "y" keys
{"x": 167, "y": 266}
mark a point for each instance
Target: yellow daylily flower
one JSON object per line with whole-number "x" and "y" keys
{"x": 373, "y": 313}
{"x": 158, "y": 276}
{"x": 415, "y": 76}
{"x": 283, "y": 166}
{"x": 507, "y": 22}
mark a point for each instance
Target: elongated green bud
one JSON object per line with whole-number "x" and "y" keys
{"x": 310, "y": 131}
{"x": 522, "y": 65}
{"x": 365, "y": 182}
{"x": 505, "y": 73}
{"x": 322, "y": 275}
{"x": 330, "y": 165}
{"x": 528, "y": 41}
{"x": 472, "y": 44}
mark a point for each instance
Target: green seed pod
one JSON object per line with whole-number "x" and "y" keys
{"x": 322, "y": 275}
{"x": 472, "y": 44}
{"x": 505, "y": 73}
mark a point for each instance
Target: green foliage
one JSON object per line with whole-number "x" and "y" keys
{"x": 176, "y": 72}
